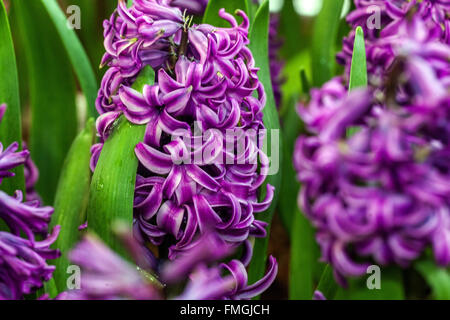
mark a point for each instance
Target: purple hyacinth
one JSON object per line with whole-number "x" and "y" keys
{"x": 275, "y": 44}
{"x": 105, "y": 275}
{"x": 276, "y": 64}
{"x": 192, "y": 6}
{"x": 188, "y": 182}
{"x": 23, "y": 265}
{"x": 381, "y": 194}
{"x": 395, "y": 35}
{"x": 318, "y": 295}
{"x": 31, "y": 173}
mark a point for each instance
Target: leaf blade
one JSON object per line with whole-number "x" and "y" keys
{"x": 112, "y": 187}
{"x": 358, "y": 73}
{"x": 76, "y": 53}
{"x": 437, "y": 278}
{"x": 11, "y": 126}
{"x": 71, "y": 199}
{"x": 323, "y": 41}
{"x": 52, "y": 94}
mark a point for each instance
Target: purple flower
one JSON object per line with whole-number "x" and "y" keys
{"x": 31, "y": 173}
{"x": 318, "y": 295}
{"x": 210, "y": 284}
{"x": 192, "y": 6}
{"x": 206, "y": 86}
{"x": 406, "y": 27}
{"x": 10, "y": 158}
{"x": 105, "y": 275}
{"x": 23, "y": 265}
{"x": 276, "y": 65}
{"x": 381, "y": 194}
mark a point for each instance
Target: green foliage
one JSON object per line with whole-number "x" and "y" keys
{"x": 259, "y": 45}
{"x": 438, "y": 278}
{"x": 10, "y": 127}
{"x": 358, "y": 74}
{"x": 112, "y": 187}
{"x": 71, "y": 199}
{"x": 76, "y": 53}
{"x": 212, "y": 11}
{"x": 323, "y": 42}
{"x": 52, "y": 93}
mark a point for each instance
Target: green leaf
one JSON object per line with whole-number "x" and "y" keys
{"x": 304, "y": 250}
{"x": 112, "y": 188}
{"x": 323, "y": 41}
{"x": 358, "y": 73}
{"x": 391, "y": 287}
{"x": 437, "y": 278}
{"x": 303, "y": 258}
{"x": 212, "y": 11}
{"x": 52, "y": 93}
{"x": 306, "y": 87}
{"x": 327, "y": 284}
{"x": 76, "y": 53}
{"x": 50, "y": 288}
{"x": 252, "y": 8}
{"x": 91, "y": 32}
{"x": 290, "y": 187}
{"x": 71, "y": 199}
{"x": 10, "y": 127}
{"x": 290, "y": 29}
{"x": 260, "y": 49}
{"x": 293, "y": 84}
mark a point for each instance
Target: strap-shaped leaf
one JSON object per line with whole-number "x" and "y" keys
{"x": 52, "y": 93}
{"x": 76, "y": 53}
{"x": 303, "y": 258}
{"x": 252, "y": 8}
{"x": 289, "y": 28}
{"x": 358, "y": 73}
{"x": 10, "y": 127}
{"x": 71, "y": 199}
{"x": 327, "y": 285}
{"x": 391, "y": 287}
{"x": 290, "y": 187}
{"x": 212, "y": 11}
{"x": 324, "y": 39}
{"x": 259, "y": 39}
{"x": 112, "y": 187}
{"x": 438, "y": 278}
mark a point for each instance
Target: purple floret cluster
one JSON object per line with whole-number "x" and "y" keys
{"x": 206, "y": 96}
{"x": 23, "y": 256}
{"x": 374, "y": 167}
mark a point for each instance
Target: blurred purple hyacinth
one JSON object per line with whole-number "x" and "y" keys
{"x": 276, "y": 64}
{"x": 428, "y": 35}
{"x": 381, "y": 194}
{"x": 206, "y": 86}
{"x": 23, "y": 265}
{"x": 108, "y": 276}
{"x": 105, "y": 275}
